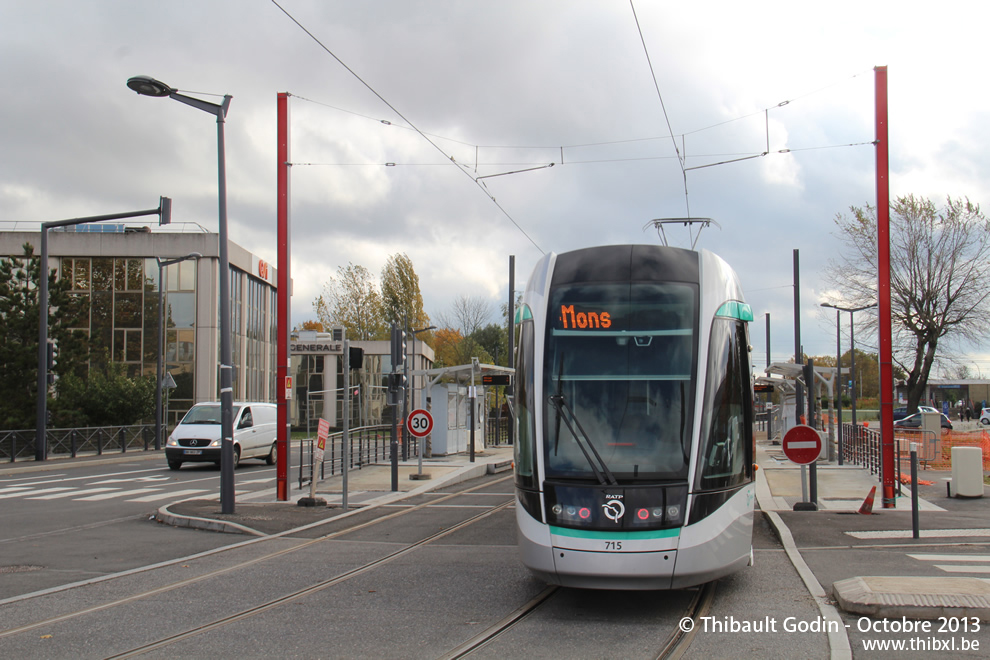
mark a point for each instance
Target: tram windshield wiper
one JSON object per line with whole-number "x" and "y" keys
{"x": 598, "y": 465}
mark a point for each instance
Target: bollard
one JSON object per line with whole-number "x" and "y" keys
{"x": 914, "y": 490}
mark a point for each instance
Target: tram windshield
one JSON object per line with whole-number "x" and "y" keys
{"x": 619, "y": 373}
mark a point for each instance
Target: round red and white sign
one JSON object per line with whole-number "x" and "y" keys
{"x": 419, "y": 423}
{"x": 802, "y": 444}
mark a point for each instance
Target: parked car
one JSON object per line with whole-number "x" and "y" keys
{"x": 914, "y": 422}
{"x": 901, "y": 413}
{"x": 985, "y": 416}
{"x": 197, "y": 437}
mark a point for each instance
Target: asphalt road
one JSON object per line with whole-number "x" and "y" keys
{"x": 420, "y": 603}
{"x": 62, "y": 523}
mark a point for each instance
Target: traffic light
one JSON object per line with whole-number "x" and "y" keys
{"x": 164, "y": 211}
{"x": 356, "y": 358}
{"x": 398, "y": 347}
{"x": 52, "y": 355}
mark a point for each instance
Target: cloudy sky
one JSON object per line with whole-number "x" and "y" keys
{"x": 484, "y": 88}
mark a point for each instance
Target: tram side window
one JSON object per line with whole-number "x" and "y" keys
{"x": 725, "y": 458}
{"x": 524, "y": 405}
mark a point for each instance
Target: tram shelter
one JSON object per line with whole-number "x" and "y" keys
{"x": 457, "y": 397}
{"x": 792, "y": 375}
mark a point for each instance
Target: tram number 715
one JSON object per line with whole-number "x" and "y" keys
{"x": 613, "y": 545}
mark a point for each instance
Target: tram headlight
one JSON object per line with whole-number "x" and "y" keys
{"x": 557, "y": 509}
{"x": 673, "y": 513}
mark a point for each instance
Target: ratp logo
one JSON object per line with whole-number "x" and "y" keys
{"x": 614, "y": 510}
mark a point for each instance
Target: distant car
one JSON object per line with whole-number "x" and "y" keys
{"x": 914, "y": 422}
{"x": 901, "y": 413}
{"x": 985, "y": 416}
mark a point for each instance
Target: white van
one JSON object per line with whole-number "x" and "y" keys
{"x": 197, "y": 436}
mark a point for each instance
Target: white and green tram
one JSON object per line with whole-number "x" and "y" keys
{"x": 633, "y": 406}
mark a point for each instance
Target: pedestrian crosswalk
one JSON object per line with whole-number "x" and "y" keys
{"x": 956, "y": 563}
{"x": 138, "y": 489}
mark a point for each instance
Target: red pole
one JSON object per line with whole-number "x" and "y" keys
{"x": 883, "y": 290}
{"x": 282, "y": 357}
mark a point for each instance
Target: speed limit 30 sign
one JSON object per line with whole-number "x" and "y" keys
{"x": 419, "y": 423}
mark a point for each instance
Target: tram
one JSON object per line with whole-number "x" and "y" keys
{"x": 633, "y": 406}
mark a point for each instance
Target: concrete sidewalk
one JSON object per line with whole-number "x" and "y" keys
{"x": 263, "y": 515}
{"x": 834, "y": 532}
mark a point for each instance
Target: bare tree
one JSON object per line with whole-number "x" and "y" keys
{"x": 939, "y": 276}
{"x": 468, "y": 314}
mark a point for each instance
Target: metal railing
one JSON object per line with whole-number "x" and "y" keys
{"x": 861, "y": 446}
{"x": 497, "y": 431}
{"x": 368, "y": 445}
{"x": 62, "y": 443}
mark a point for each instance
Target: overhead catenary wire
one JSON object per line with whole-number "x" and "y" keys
{"x": 656, "y": 85}
{"x": 480, "y": 184}
{"x": 560, "y": 149}
{"x": 735, "y": 157}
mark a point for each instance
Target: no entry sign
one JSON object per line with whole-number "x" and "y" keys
{"x": 802, "y": 444}
{"x": 420, "y": 423}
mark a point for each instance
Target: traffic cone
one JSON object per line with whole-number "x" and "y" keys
{"x": 867, "y": 507}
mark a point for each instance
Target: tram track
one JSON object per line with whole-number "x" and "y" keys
{"x": 252, "y": 563}
{"x": 166, "y": 641}
{"x": 679, "y": 641}
{"x": 302, "y": 593}
{"x": 675, "y": 647}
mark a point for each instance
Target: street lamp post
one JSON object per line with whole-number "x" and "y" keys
{"x": 41, "y": 428}
{"x": 852, "y": 362}
{"x": 160, "y": 374}
{"x": 147, "y": 86}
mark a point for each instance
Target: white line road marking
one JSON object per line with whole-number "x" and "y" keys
{"x": 34, "y": 492}
{"x": 13, "y": 489}
{"x": 963, "y": 569}
{"x": 924, "y": 533}
{"x": 924, "y": 557}
{"x": 71, "y": 493}
{"x": 257, "y": 481}
{"x": 117, "y": 493}
{"x": 130, "y": 480}
{"x": 176, "y": 494}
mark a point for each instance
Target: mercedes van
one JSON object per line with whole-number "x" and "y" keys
{"x": 197, "y": 437}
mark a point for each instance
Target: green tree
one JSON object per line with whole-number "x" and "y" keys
{"x": 351, "y": 300}
{"x": 19, "y": 280}
{"x": 105, "y": 397}
{"x": 494, "y": 339}
{"x": 401, "y": 297}
{"x": 939, "y": 268}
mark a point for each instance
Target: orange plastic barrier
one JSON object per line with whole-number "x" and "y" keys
{"x": 943, "y": 460}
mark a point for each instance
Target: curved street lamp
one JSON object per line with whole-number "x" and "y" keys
{"x": 148, "y": 86}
